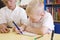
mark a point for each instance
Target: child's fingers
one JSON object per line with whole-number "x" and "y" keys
{"x": 7, "y": 30}
{"x": 17, "y": 31}
{"x": 13, "y": 29}
{"x": 21, "y": 28}
{"x": 4, "y": 30}
{"x": 1, "y": 30}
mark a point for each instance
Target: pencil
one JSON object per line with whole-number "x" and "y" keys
{"x": 37, "y": 37}
{"x": 17, "y": 27}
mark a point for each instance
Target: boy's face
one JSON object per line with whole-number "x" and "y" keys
{"x": 37, "y": 14}
{"x": 11, "y": 3}
{"x": 36, "y": 17}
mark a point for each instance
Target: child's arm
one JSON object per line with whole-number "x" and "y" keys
{"x": 41, "y": 30}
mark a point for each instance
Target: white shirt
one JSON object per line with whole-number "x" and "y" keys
{"x": 46, "y": 21}
{"x": 18, "y": 15}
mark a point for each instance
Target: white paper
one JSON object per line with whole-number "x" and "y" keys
{"x": 29, "y": 34}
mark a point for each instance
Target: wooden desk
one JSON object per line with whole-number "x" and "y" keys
{"x": 13, "y": 36}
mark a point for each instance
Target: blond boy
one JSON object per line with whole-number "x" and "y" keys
{"x": 40, "y": 21}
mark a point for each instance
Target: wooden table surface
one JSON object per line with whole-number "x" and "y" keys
{"x": 13, "y": 36}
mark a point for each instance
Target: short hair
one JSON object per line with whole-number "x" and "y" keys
{"x": 34, "y": 5}
{"x": 4, "y": 1}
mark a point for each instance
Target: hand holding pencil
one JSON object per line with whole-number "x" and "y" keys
{"x": 19, "y": 31}
{"x": 17, "y": 28}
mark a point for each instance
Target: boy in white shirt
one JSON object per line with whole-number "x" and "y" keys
{"x": 10, "y": 13}
{"x": 40, "y": 21}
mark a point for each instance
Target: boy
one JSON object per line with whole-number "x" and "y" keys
{"x": 10, "y": 13}
{"x": 41, "y": 21}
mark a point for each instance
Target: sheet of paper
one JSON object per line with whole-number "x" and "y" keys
{"x": 29, "y": 34}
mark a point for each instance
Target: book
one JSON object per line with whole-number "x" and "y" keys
{"x": 58, "y": 14}
{"x": 55, "y": 14}
{"x": 51, "y": 1}
{"x": 55, "y": 11}
{"x": 57, "y": 1}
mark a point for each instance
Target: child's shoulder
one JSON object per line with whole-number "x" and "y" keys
{"x": 47, "y": 13}
{"x": 19, "y": 7}
{"x": 3, "y": 9}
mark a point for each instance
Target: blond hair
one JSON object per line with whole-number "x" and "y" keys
{"x": 4, "y": 1}
{"x": 34, "y": 5}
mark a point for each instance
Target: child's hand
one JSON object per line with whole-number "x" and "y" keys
{"x": 4, "y": 29}
{"x": 18, "y": 31}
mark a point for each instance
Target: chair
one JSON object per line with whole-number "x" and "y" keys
{"x": 57, "y": 29}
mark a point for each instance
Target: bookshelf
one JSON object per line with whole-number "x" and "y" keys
{"x": 53, "y": 6}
